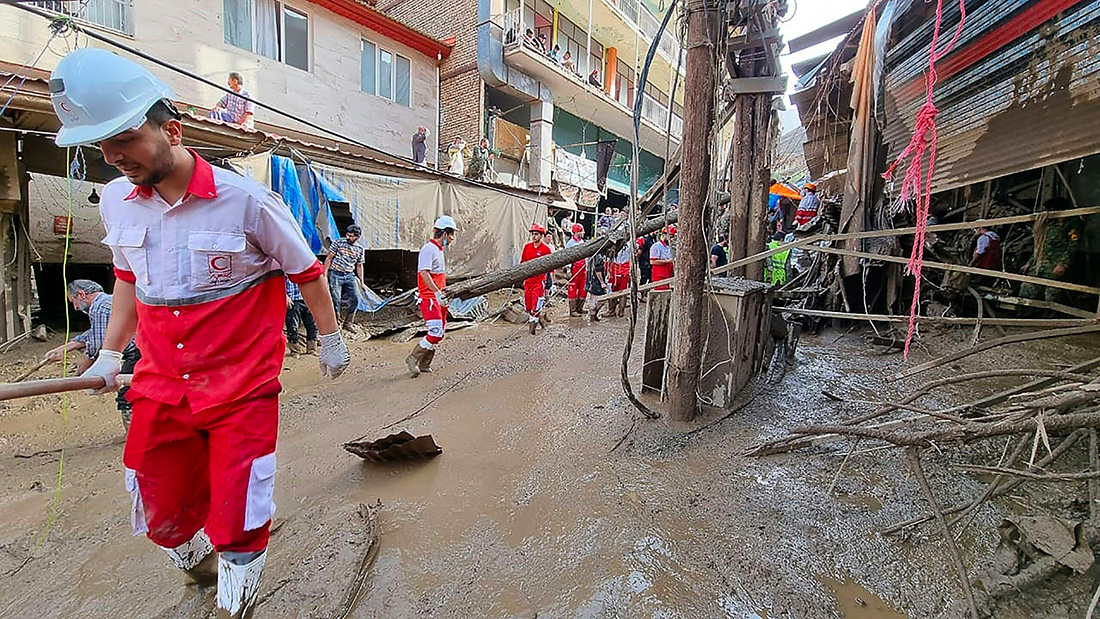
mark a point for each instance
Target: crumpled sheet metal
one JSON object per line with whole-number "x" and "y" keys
{"x": 1036, "y": 537}
{"x": 400, "y": 446}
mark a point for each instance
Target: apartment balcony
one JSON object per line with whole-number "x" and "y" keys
{"x": 583, "y": 100}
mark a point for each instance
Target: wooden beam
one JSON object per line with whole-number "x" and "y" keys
{"x": 943, "y": 266}
{"x": 944, "y": 320}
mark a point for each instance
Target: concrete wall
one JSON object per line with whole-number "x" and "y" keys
{"x": 190, "y": 34}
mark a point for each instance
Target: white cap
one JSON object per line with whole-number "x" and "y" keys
{"x": 98, "y": 95}
{"x": 445, "y": 222}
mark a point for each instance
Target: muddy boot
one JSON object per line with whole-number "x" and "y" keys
{"x": 544, "y": 320}
{"x": 574, "y": 310}
{"x": 347, "y": 320}
{"x": 595, "y": 315}
{"x": 621, "y": 307}
{"x": 311, "y": 347}
{"x": 425, "y": 366}
{"x": 238, "y": 584}
{"x": 532, "y": 324}
{"x": 415, "y": 359}
{"x": 295, "y": 349}
{"x": 197, "y": 559}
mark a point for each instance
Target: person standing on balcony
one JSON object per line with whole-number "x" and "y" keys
{"x": 233, "y": 109}
{"x": 420, "y": 144}
{"x": 457, "y": 153}
{"x": 594, "y": 78}
{"x": 555, "y": 54}
{"x": 543, "y": 43}
{"x": 481, "y": 160}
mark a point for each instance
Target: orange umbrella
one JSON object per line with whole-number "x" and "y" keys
{"x": 784, "y": 191}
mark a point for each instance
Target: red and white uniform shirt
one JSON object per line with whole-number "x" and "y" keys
{"x": 534, "y": 287}
{"x": 208, "y": 271}
{"x": 431, "y": 259}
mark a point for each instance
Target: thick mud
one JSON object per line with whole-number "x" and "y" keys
{"x": 528, "y": 512}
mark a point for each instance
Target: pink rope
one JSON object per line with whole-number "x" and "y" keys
{"x": 916, "y": 185}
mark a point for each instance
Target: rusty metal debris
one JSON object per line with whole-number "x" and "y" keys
{"x": 400, "y": 446}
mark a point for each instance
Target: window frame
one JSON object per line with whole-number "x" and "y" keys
{"x": 281, "y": 9}
{"x": 394, "y": 56}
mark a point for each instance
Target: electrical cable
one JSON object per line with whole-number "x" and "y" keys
{"x": 147, "y": 57}
{"x": 632, "y": 220}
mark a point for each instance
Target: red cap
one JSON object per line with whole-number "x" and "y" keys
{"x": 578, "y": 228}
{"x": 537, "y": 228}
{"x": 671, "y": 230}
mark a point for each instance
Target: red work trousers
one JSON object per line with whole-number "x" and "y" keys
{"x": 576, "y": 288}
{"x": 620, "y": 276}
{"x": 214, "y": 468}
{"x": 435, "y": 317}
{"x": 534, "y": 290}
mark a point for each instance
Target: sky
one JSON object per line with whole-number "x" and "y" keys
{"x": 806, "y": 16}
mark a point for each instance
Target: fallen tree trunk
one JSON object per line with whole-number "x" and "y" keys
{"x": 515, "y": 275}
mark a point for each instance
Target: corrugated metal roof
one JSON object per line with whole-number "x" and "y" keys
{"x": 1020, "y": 91}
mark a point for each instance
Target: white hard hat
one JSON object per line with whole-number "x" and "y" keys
{"x": 98, "y": 95}
{"x": 445, "y": 222}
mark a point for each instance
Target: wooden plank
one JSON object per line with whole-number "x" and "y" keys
{"x": 656, "y": 341}
{"x": 945, "y": 320}
{"x": 1001, "y": 341}
{"x": 943, "y": 266}
{"x": 1057, "y": 307}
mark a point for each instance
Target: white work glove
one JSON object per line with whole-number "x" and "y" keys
{"x": 334, "y": 356}
{"x": 107, "y": 366}
{"x": 441, "y": 296}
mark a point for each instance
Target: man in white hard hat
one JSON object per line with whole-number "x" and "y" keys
{"x": 199, "y": 258}
{"x": 431, "y": 287}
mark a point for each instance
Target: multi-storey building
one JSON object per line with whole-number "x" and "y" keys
{"x": 337, "y": 63}
{"x": 546, "y": 116}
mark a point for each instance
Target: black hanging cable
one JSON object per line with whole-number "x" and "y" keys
{"x": 633, "y": 223}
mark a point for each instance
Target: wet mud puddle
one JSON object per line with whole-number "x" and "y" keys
{"x": 853, "y": 601}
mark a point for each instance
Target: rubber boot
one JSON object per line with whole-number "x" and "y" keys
{"x": 574, "y": 312}
{"x": 311, "y": 347}
{"x": 347, "y": 319}
{"x": 532, "y": 324}
{"x": 197, "y": 559}
{"x": 238, "y": 586}
{"x": 544, "y": 320}
{"x": 295, "y": 349}
{"x": 425, "y": 366}
{"x": 621, "y": 307}
{"x": 580, "y": 307}
{"x": 415, "y": 359}
{"x": 595, "y": 315}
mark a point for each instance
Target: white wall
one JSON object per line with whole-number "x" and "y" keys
{"x": 189, "y": 34}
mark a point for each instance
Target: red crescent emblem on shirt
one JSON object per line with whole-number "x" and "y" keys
{"x": 219, "y": 264}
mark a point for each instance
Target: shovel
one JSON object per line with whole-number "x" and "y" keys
{"x": 11, "y": 391}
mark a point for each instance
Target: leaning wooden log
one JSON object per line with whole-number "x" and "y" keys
{"x": 1009, "y": 339}
{"x": 515, "y": 275}
{"x": 970, "y": 432}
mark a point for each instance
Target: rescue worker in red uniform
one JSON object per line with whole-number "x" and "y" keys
{"x": 534, "y": 288}
{"x": 660, "y": 257}
{"x": 199, "y": 258}
{"x": 431, "y": 285}
{"x": 577, "y": 276}
{"x": 809, "y": 206}
{"x": 620, "y": 278}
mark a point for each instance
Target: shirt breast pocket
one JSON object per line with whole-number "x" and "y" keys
{"x": 130, "y": 242}
{"x": 216, "y": 259}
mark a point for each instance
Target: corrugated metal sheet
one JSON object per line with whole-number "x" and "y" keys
{"x": 1032, "y": 100}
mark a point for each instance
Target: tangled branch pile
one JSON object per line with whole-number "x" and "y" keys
{"x": 1046, "y": 418}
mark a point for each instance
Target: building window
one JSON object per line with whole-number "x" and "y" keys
{"x": 117, "y": 15}
{"x": 268, "y": 28}
{"x": 385, "y": 74}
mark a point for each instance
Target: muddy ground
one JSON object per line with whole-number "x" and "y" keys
{"x": 528, "y": 512}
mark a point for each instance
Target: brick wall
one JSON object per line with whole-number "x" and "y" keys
{"x": 462, "y": 92}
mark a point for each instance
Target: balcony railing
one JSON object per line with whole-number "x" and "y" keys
{"x": 114, "y": 15}
{"x": 637, "y": 13}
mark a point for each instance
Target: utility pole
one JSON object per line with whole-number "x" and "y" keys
{"x": 691, "y": 245}
{"x": 754, "y": 68}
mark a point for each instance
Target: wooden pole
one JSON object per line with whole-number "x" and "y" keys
{"x": 756, "y": 238}
{"x": 691, "y": 246}
{"x": 740, "y": 183}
